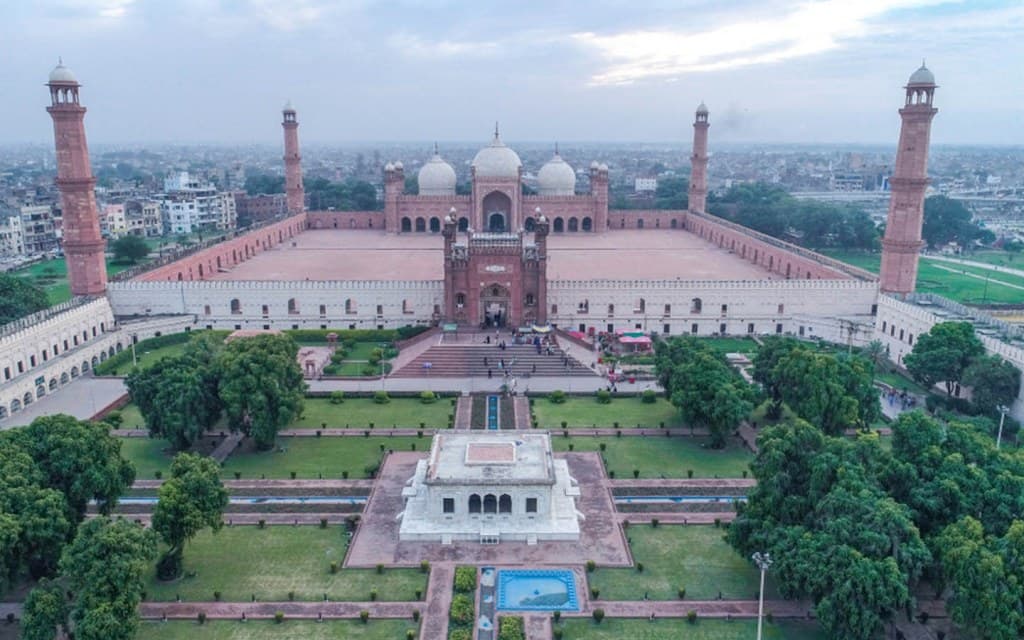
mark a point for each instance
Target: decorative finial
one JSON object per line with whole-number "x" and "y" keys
{"x": 60, "y": 61}
{"x": 922, "y": 63}
{"x": 495, "y": 129}
{"x": 436, "y": 153}
{"x": 556, "y": 148}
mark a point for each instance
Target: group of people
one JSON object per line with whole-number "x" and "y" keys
{"x": 905, "y": 400}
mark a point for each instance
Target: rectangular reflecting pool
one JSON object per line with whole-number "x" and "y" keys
{"x": 537, "y": 590}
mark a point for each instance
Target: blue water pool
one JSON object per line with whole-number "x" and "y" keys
{"x": 537, "y": 590}
{"x": 492, "y": 412}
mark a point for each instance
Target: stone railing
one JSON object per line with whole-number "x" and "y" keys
{"x": 41, "y": 316}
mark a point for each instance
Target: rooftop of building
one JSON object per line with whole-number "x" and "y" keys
{"x": 476, "y": 458}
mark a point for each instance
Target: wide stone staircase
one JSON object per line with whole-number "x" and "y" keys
{"x": 462, "y": 360}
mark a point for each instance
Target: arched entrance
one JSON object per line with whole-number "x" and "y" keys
{"x": 463, "y": 224}
{"x": 406, "y": 225}
{"x": 497, "y": 212}
{"x": 494, "y": 305}
{"x": 530, "y": 224}
{"x": 435, "y": 225}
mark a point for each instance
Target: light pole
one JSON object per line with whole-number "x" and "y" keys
{"x": 135, "y": 361}
{"x": 763, "y": 561}
{"x": 1002, "y": 409}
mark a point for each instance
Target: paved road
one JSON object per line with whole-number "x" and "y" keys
{"x": 83, "y": 398}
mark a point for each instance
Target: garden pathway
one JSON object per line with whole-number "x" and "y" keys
{"x": 439, "y": 599}
{"x": 276, "y": 484}
{"x": 704, "y": 608}
{"x": 677, "y": 517}
{"x": 464, "y": 412}
{"x": 521, "y": 408}
{"x": 538, "y": 627}
{"x": 264, "y": 610}
{"x": 226, "y": 447}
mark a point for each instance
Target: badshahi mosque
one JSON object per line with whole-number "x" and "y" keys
{"x": 560, "y": 259}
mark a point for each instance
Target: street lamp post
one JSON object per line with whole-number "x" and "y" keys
{"x": 1003, "y": 409}
{"x": 135, "y": 361}
{"x": 763, "y": 561}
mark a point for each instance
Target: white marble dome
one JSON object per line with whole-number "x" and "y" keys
{"x": 497, "y": 161}
{"x": 922, "y": 76}
{"x": 556, "y": 178}
{"x": 436, "y": 177}
{"x": 62, "y": 74}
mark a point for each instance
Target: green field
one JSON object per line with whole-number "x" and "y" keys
{"x": 694, "y": 557}
{"x": 585, "y": 411}
{"x": 731, "y": 345}
{"x": 52, "y": 276}
{"x": 955, "y": 286}
{"x": 678, "y": 629}
{"x": 148, "y": 455}
{"x": 311, "y": 457}
{"x": 269, "y": 563}
{"x": 358, "y": 413}
{"x": 131, "y": 417}
{"x": 146, "y": 358}
{"x": 264, "y": 630}
{"x": 898, "y": 381}
{"x": 657, "y": 457}
{"x": 1000, "y": 258}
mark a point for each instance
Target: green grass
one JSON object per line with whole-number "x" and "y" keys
{"x": 360, "y": 412}
{"x": 310, "y": 457}
{"x": 955, "y": 286}
{"x": 52, "y": 276}
{"x": 1000, "y": 258}
{"x": 657, "y": 456}
{"x": 900, "y": 382}
{"x": 148, "y": 455}
{"x": 355, "y": 369}
{"x": 362, "y": 350}
{"x": 131, "y": 417}
{"x": 694, "y": 557}
{"x": 264, "y": 630}
{"x": 148, "y": 358}
{"x": 679, "y": 629}
{"x": 731, "y": 345}
{"x": 271, "y": 562}
{"x": 585, "y": 411}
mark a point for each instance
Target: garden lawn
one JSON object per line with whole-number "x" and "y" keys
{"x": 358, "y": 413}
{"x": 586, "y": 411}
{"x": 265, "y": 629}
{"x": 52, "y": 276}
{"x": 900, "y": 382}
{"x": 362, "y": 350}
{"x": 148, "y": 358}
{"x": 131, "y": 417}
{"x": 148, "y": 455}
{"x": 695, "y": 557}
{"x": 354, "y": 369}
{"x": 656, "y": 456}
{"x": 269, "y": 563}
{"x": 679, "y": 629}
{"x": 731, "y": 345}
{"x": 311, "y": 457}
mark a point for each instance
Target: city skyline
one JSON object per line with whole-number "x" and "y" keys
{"x": 826, "y": 73}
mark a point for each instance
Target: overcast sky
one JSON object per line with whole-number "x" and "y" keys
{"x": 588, "y": 70}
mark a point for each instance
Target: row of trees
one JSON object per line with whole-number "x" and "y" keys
{"x": 701, "y": 384}
{"x": 833, "y": 391}
{"x": 350, "y": 195}
{"x": 19, "y": 297}
{"x": 256, "y": 382}
{"x": 854, "y": 527}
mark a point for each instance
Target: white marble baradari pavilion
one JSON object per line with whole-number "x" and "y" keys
{"x": 490, "y": 488}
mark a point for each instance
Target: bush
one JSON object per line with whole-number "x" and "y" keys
{"x": 262, "y": 524}
{"x": 337, "y": 397}
{"x": 682, "y": 593}
{"x": 557, "y": 615}
{"x": 603, "y": 446}
{"x": 461, "y": 611}
{"x": 373, "y": 594}
{"x": 291, "y": 596}
{"x": 369, "y": 371}
{"x": 424, "y": 566}
{"x": 604, "y": 396}
{"x": 511, "y": 628}
{"x": 655, "y": 522}
{"x": 591, "y": 565}
{"x": 158, "y": 474}
{"x": 380, "y": 568}
{"x": 279, "y": 617}
{"x": 465, "y": 579}
{"x": 640, "y": 567}
{"x": 334, "y": 566}
{"x": 594, "y": 593}
{"x": 557, "y": 396}
{"x": 598, "y": 615}
{"x": 364, "y": 615}
{"x": 201, "y": 617}
{"x": 648, "y": 396}
{"x": 381, "y": 397}
{"x": 216, "y": 596}
{"x": 323, "y": 523}
{"x": 460, "y": 634}
{"x": 557, "y": 634}
{"x": 691, "y": 617}
{"x": 415, "y": 615}
{"x": 428, "y": 397}
{"x": 410, "y": 634}
{"x": 636, "y": 473}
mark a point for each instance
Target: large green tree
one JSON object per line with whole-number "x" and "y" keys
{"x": 948, "y": 220}
{"x": 261, "y": 386}
{"x": 129, "y": 249}
{"x": 104, "y": 568}
{"x": 19, "y": 297}
{"x": 78, "y": 458}
{"x": 943, "y": 354}
{"x": 191, "y": 500}
{"x": 178, "y": 397}
{"x": 45, "y": 612}
{"x": 993, "y": 381}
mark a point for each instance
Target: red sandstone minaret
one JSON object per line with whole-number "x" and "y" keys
{"x": 296, "y": 194}
{"x": 82, "y": 243}
{"x": 902, "y": 240}
{"x": 699, "y": 162}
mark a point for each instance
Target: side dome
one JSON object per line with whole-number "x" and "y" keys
{"x": 556, "y": 178}
{"x": 496, "y": 161}
{"x": 436, "y": 177}
{"x": 922, "y": 76}
{"x": 62, "y": 75}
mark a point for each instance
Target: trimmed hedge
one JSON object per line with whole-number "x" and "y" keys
{"x": 357, "y": 335}
{"x": 465, "y": 579}
{"x": 511, "y": 628}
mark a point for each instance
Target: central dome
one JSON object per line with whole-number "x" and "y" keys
{"x": 556, "y": 178}
{"x": 436, "y": 177}
{"x": 497, "y": 161}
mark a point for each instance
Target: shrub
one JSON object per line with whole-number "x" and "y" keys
{"x": 291, "y": 595}
{"x": 323, "y": 523}
{"x": 591, "y": 565}
{"x": 428, "y": 397}
{"x": 598, "y": 615}
{"x": 557, "y": 396}
{"x": 572, "y": 447}
{"x": 691, "y": 617}
{"x": 465, "y": 579}
{"x": 557, "y": 633}
{"x": 640, "y": 567}
{"x": 292, "y": 475}
{"x": 337, "y": 397}
{"x": 415, "y": 615}
{"x": 603, "y": 446}
{"x": 655, "y": 522}
{"x": 344, "y": 475}
{"x": 368, "y": 371}
{"x": 364, "y": 615}
{"x": 682, "y": 593}
{"x": 557, "y": 615}
{"x": 334, "y": 566}
{"x": 511, "y": 628}
{"x": 201, "y": 617}
{"x": 410, "y": 634}
{"x": 604, "y": 396}
{"x": 158, "y": 474}
{"x": 689, "y": 473}
{"x": 380, "y": 568}
{"x": 381, "y": 397}
{"x": 424, "y": 566}
{"x": 419, "y": 594}
{"x": 373, "y": 594}
{"x": 279, "y": 617}
{"x": 461, "y": 611}
{"x": 718, "y": 522}
{"x": 649, "y": 397}
{"x": 216, "y": 596}
{"x": 594, "y": 593}
{"x": 262, "y": 524}
{"x": 238, "y": 475}
{"x": 460, "y": 634}
{"x": 636, "y": 473}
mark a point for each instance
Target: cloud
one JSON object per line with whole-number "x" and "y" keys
{"x": 414, "y": 46}
{"x": 805, "y": 29}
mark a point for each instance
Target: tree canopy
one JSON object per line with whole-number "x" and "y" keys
{"x": 129, "y": 249}
{"x": 351, "y": 195}
{"x": 947, "y": 220}
{"x": 943, "y": 354}
{"x": 264, "y": 184}
{"x": 993, "y": 381}
{"x": 191, "y": 500}
{"x": 19, "y": 298}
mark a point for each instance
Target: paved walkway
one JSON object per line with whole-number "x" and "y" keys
{"x": 338, "y": 485}
{"x": 521, "y": 409}
{"x": 439, "y": 599}
{"x": 544, "y": 384}
{"x": 277, "y": 519}
{"x": 683, "y": 483}
{"x": 972, "y": 263}
{"x": 226, "y": 447}
{"x": 676, "y": 517}
{"x": 82, "y": 398}
{"x": 265, "y": 610}
{"x": 538, "y": 627}
{"x": 464, "y": 412}
{"x": 704, "y": 608}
